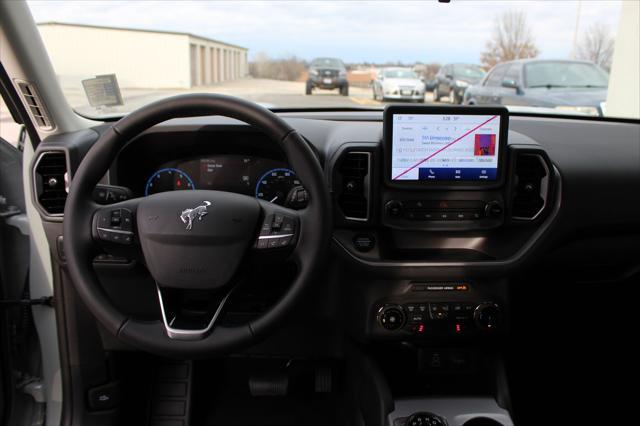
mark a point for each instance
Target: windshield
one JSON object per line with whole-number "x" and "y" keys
{"x": 111, "y": 58}
{"x": 400, "y": 74}
{"x": 468, "y": 71}
{"x": 327, "y": 63}
{"x": 565, "y": 74}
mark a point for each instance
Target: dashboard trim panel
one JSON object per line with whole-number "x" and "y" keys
{"x": 507, "y": 263}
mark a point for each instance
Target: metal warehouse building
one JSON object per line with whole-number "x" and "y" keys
{"x": 140, "y": 58}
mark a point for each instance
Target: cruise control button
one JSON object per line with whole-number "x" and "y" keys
{"x": 273, "y": 242}
{"x": 288, "y": 225}
{"x": 284, "y": 241}
{"x": 278, "y": 220}
{"x": 104, "y": 235}
{"x": 126, "y": 221}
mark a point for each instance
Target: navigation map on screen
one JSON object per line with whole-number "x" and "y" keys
{"x": 439, "y": 147}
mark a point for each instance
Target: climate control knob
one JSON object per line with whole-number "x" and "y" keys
{"x": 391, "y": 317}
{"x": 487, "y": 316}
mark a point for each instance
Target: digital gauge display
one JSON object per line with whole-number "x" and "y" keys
{"x": 168, "y": 179}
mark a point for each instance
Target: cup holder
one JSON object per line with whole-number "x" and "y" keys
{"x": 482, "y": 421}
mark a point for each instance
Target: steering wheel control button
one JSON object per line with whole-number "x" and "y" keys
{"x": 115, "y": 226}
{"x": 108, "y": 194}
{"x": 277, "y": 231}
{"x": 288, "y": 225}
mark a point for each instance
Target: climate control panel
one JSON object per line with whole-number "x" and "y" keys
{"x": 440, "y": 318}
{"x": 483, "y": 210}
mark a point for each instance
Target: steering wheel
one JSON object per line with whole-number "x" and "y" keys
{"x": 193, "y": 242}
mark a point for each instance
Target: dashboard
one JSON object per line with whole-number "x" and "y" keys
{"x": 426, "y": 268}
{"x": 428, "y": 252}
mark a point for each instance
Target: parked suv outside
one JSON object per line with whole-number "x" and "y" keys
{"x": 453, "y": 79}
{"x": 327, "y": 73}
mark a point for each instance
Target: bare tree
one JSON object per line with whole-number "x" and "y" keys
{"x": 511, "y": 39}
{"x": 596, "y": 45}
{"x": 288, "y": 68}
{"x": 431, "y": 70}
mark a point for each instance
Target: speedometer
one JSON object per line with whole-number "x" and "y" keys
{"x": 276, "y": 184}
{"x": 168, "y": 180}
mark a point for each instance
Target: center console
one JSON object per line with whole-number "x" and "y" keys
{"x": 451, "y": 202}
{"x": 443, "y": 167}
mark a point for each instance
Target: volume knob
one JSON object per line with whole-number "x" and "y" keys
{"x": 394, "y": 208}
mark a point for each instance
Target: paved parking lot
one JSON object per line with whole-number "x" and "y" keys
{"x": 276, "y": 93}
{"x": 283, "y": 94}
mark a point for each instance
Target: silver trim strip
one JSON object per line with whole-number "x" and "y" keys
{"x": 182, "y": 334}
{"x": 268, "y": 237}
{"x": 117, "y": 231}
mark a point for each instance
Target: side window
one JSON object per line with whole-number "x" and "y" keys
{"x": 10, "y": 131}
{"x": 513, "y": 73}
{"x": 496, "y": 76}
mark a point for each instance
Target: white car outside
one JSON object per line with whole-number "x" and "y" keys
{"x": 398, "y": 84}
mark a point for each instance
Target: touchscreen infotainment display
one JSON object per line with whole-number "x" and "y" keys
{"x": 445, "y": 147}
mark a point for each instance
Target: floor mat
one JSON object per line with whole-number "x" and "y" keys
{"x": 222, "y": 397}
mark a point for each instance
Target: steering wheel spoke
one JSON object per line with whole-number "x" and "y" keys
{"x": 188, "y": 315}
{"x": 279, "y": 229}
{"x": 114, "y": 229}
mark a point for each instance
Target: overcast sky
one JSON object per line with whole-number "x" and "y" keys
{"x": 354, "y": 31}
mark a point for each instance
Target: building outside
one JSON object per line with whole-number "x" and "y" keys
{"x": 142, "y": 59}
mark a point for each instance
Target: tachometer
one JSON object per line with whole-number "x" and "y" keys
{"x": 276, "y": 184}
{"x": 168, "y": 180}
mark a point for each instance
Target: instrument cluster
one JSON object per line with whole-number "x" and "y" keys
{"x": 264, "y": 178}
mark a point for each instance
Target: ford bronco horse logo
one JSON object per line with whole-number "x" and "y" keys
{"x": 189, "y": 215}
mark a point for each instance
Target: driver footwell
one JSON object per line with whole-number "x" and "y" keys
{"x": 270, "y": 392}
{"x": 233, "y": 391}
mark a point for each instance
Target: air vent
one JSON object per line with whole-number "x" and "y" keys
{"x": 35, "y": 105}
{"x": 531, "y": 186}
{"x": 353, "y": 179}
{"x": 51, "y": 182}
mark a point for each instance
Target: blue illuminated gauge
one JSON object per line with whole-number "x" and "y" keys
{"x": 276, "y": 186}
{"x": 168, "y": 180}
